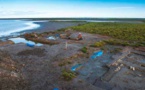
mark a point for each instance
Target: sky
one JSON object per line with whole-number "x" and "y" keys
{"x": 72, "y": 8}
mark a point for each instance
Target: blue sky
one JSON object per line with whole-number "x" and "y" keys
{"x": 72, "y": 8}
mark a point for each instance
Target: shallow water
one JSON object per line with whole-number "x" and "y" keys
{"x": 22, "y": 40}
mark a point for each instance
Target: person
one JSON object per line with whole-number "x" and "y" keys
{"x": 68, "y": 33}
{"x": 80, "y": 37}
{"x": 66, "y": 45}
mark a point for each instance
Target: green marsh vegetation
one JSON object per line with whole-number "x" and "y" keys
{"x": 98, "y": 44}
{"x": 126, "y": 34}
{"x": 68, "y": 75}
{"x": 84, "y": 49}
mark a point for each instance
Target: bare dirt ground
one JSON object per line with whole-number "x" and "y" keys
{"x": 10, "y": 76}
{"x": 41, "y": 67}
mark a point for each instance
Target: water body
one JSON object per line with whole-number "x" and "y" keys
{"x": 22, "y": 40}
{"x": 9, "y": 27}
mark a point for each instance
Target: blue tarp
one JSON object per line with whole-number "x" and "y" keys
{"x": 30, "y": 45}
{"x": 75, "y": 67}
{"x": 96, "y": 54}
{"x": 55, "y": 89}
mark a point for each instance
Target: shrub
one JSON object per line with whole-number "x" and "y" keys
{"x": 98, "y": 44}
{"x": 134, "y": 32}
{"x": 123, "y": 31}
{"x": 117, "y": 42}
{"x": 29, "y": 35}
{"x": 68, "y": 75}
{"x": 62, "y": 29}
{"x": 84, "y": 49}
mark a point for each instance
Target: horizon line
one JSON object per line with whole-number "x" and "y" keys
{"x": 74, "y": 18}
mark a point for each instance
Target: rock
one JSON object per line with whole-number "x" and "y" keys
{"x": 115, "y": 64}
{"x": 119, "y": 60}
{"x": 23, "y": 65}
{"x": 139, "y": 75}
{"x": 117, "y": 69}
{"x": 63, "y": 36}
{"x": 74, "y": 36}
{"x": 13, "y": 74}
{"x": 132, "y": 68}
{"x": 121, "y": 65}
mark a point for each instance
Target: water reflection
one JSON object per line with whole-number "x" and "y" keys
{"x": 23, "y": 40}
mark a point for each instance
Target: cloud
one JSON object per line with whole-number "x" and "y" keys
{"x": 125, "y": 7}
{"x": 13, "y": 13}
{"x": 98, "y": 12}
{"x": 33, "y": 13}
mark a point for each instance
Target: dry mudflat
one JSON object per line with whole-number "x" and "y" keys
{"x": 41, "y": 68}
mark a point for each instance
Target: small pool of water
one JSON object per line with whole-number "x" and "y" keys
{"x": 23, "y": 40}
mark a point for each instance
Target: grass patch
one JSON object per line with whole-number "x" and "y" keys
{"x": 98, "y": 44}
{"x": 117, "y": 42}
{"x": 128, "y": 32}
{"x": 62, "y": 29}
{"x": 64, "y": 63}
{"x": 124, "y": 43}
{"x": 68, "y": 75}
{"x": 84, "y": 49}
